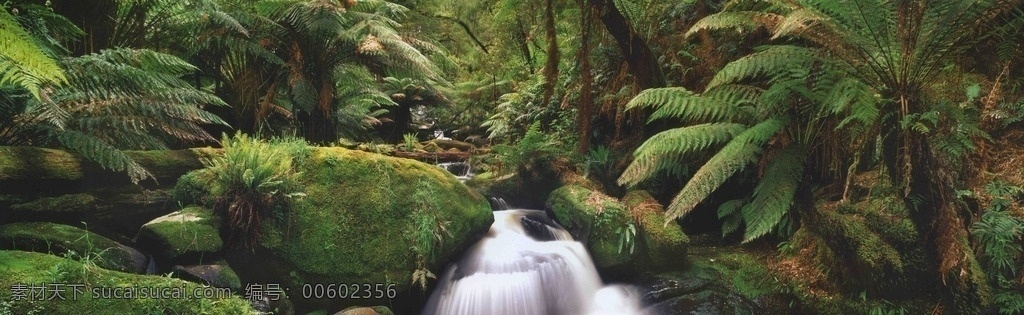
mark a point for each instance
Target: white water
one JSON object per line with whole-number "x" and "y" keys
{"x": 526, "y": 264}
{"x": 462, "y": 170}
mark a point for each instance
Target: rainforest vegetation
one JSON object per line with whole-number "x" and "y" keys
{"x": 826, "y": 156}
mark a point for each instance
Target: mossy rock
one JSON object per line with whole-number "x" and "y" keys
{"x": 665, "y": 244}
{"x": 19, "y": 268}
{"x": 361, "y": 310}
{"x": 184, "y": 236}
{"x": 59, "y": 239}
{"x": 217, "y": 275}
{"x": 595, "y": 219}
{"x": 876, "y": 237}
{"x": 365, "y": 218}
{"x": 193, "y": 188}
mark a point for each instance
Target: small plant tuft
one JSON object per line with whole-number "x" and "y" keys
{"x": 251, "y": 181}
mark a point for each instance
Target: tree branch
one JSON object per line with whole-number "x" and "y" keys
{"x": 467, "y": 29}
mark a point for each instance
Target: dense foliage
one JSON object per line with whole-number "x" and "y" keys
{"x": 758, "y": 120}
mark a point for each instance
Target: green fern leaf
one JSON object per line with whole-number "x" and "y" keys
{"x": 667, "y": 149}
{"x": 774, "y": 193}
{"x": 769, "y": 63}
{"x": 22, "y": 61}
{"x": 733, "y": 157}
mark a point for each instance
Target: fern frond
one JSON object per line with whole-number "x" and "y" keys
{"x": 733, "y": 157}
{"x": 731, "y": 215}
{"x": 740, "y": 21}
{"x": 774, "y": 193}
{"x": 768, "y": 63}
{"x": 667, "y": 149}
{"x": 102, "y": 153}
{"x": 22, "y": 61}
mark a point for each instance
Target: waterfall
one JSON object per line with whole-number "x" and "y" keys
{"x": 527, "y": 264}
{"x": 498, "y": 203}
{"x": 461, "y": 170}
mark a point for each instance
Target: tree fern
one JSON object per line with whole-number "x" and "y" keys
{"x": 774, "y": 193}
{"x": 733, "y": 157}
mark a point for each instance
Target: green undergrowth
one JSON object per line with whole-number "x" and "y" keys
{"x": 24, "y": 268}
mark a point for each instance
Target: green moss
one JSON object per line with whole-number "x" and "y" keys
{"x": 665, "y": 243}
{"x": 593, "y": 216}
{"x": 193, "y": 188}
{"x": 31, "y": 163}
{"x": 357, "y": 220}
{"x": 187, "y": 232}
{"x": 24, "y": 268}
{"x": 74, "y": 203}
{"x": 59, "y": 239}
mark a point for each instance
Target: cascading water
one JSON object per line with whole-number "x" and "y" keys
{"x": 498, "y": 203}
{"x": 461, "y": 170}
{"x": 527, "y": 264}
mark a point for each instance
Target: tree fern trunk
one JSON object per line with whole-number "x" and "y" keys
{"x": 936, "y": 216}
{"x": 318, "y": 127}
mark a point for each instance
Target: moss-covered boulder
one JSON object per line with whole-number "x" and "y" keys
{"x": 376, "y": 310}
{"x": 364, "y": 218}
{"x": 89, "y": 290}
{"x": 872, "y": 237}
{"x": 599, "y": 221}
{"x": 217, "y": 275}
{"x": 61, "y": 239}
{"x": 185, "y": 236}
{"x": 664, "y": 244}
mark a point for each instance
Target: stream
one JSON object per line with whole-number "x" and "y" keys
{"x": 527, "y": 264}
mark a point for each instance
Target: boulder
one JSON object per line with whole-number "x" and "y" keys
{"x": 88, "y": 290}
{"x": 58, "y": 239}
{"x": 217, "y": 275}
{"x": 600, "y": 222}
{"x": 365, "y": 218}
{"x": 664, "y": 244}
{"x": 185, "y": 236}
{"x": 360, "y": 310}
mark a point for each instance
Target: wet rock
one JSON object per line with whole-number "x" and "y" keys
{"x": 218, "y": 275}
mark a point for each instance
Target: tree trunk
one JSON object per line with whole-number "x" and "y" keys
{"x": 586, "y": 106}
{"x": 929, "y": 194}
{"x": 642, "y": 61}
{"x": 551, "y": 66}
